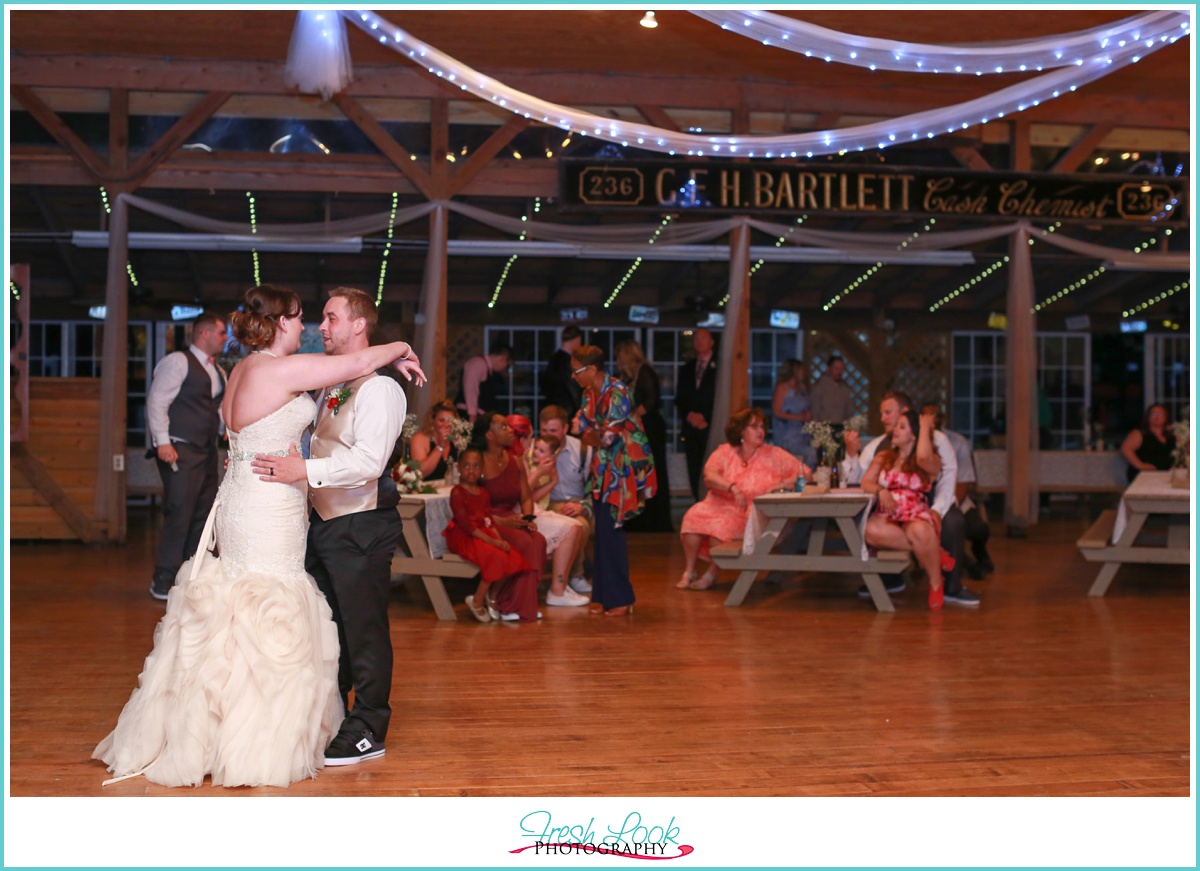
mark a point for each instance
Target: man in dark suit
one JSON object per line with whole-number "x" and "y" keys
{"x": 558, "y": 387}
{"x": 354, "y": 528}
{"x": 695, "y": 390}
{"x": 183, "y": 410}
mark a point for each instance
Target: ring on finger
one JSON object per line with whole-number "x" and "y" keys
{"x": 272, "y": 472}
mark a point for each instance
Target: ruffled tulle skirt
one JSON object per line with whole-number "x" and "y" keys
{"x": 241, "y": 684}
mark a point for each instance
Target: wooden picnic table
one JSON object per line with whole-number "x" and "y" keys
{"x": 1112, "y": 538}
{"x": 766, "y": 547}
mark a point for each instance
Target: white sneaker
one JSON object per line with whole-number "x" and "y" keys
{"x": 568, "y": 599}
{"x": 580, "y": 584}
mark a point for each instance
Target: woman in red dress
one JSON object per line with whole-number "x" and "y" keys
{"x": 903, "y": 476}
{"x": 504, "y": 573}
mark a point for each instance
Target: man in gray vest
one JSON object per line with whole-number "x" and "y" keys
{"x": 353, "y": 527}
{"x": 183, "y": 411}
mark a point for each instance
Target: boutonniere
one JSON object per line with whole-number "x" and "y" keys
{"x": 337, "y": 397}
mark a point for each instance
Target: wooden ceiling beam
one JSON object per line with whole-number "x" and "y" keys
{"x": 173, "y": 139}
{"x": 483, "y": 155}
{"x": 696, "y": 92}
{"x": 63, "y": 135}
{"x": 279, "y": 173}
{"x": 388, "y": 146}
{"x": 118, "y": 130}
{"x": 1081, "y": 149}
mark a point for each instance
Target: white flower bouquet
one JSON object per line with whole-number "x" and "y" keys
{"x": 460, "y": 433}
{"x": 408, "y": 478}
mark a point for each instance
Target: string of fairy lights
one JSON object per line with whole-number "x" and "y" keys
{"x": 759, "y": 264}
{"x": 633, "y": 267}
{"x": 254, "y": 232}
{"x": 1154, "y": 300}
{"x": 108, "y": 211}
{"x": 387, "y": 249}
{"x": 1082, "y": 282}
{"x": 871, "y": 271}
{"x": 537, "y": 207}
{"x": 14, "y": 289}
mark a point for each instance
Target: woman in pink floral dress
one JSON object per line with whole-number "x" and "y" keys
{"x": 902, "y": 476}
{"x": 736, "y": 473}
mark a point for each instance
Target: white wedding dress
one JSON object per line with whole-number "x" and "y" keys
{"x": 242, "y": 681}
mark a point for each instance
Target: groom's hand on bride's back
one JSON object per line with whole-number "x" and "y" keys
{"x": 282, "y": 470}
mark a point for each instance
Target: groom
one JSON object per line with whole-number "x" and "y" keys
{"x": 353, "y": 528}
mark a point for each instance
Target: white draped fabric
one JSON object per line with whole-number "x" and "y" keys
{"x": 677, "y": 233}
{"x": 1034, "y": 54}
{"x": 921, "y": 125}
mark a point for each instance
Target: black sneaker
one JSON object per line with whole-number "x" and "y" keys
{"x": 351, "y": 748}
{"x": 897, "y": 586}
{"x": 159, "y": 587}
{"x": 963, "y": 597}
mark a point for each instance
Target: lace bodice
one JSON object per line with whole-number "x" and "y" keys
{"x": 263, "y": 525}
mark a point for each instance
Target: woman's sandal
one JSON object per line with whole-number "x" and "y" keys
{"x": 705, "y": 581}
{"x": 685, "y": 580}
{"x": 619, "y": 611}
{"x": 595, "y": 608}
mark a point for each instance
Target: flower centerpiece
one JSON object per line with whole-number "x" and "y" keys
{"x": 825, "y": 440}
{"x": 460, "y": 434}
{"x": 1181, "y": 471}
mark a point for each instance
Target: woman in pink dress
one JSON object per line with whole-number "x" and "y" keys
{"x": 505, "y": 577}
{"x": 736, "y": 473}
{"x": 902, "y": 476}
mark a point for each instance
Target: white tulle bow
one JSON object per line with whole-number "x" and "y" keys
{"x": 319, "y": 57}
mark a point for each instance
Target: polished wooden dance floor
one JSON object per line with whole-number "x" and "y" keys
{"x": 803, "y": 691}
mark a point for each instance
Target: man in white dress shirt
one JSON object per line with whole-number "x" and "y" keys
{"x": 894, "y": 404}
{"x": 568, "y": 496}
{"x": 354, "y": 527}
{"x": 183, "y": 413}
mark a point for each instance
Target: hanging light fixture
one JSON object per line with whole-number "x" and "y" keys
{"x": 648, "y": 20}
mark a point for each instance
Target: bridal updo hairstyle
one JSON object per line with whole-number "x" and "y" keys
{"x": 254, "y": 327}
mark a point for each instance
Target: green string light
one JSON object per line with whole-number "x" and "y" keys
{"x": 108, "y": 211}
{"x": 14, "y": 289}
{"x": 1091, "y": 276}
{"x": 537, "y": 207}
{"x": 253, "y": 232}
{"x": 387, "y": 249}
{"x": 870, "y": 273}
{"x": 757, "y": 266}
{"x": 633, "y": 267}
{"x": 1154, "y": 300}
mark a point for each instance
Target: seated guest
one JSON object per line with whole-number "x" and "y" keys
{"x": 954, "y": 538}
{"x": 902, "y": 476}
{"x": 572, "y": 461}
{"x": 975, "y": 523}
{"x": 737, "y": 472}
{"x": 512, "y": 506}
{"x": 507, "y": 583}
{"x": 431, "y": 447}
{"x": 1151, "y": 446}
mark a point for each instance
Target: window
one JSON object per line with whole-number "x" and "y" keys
{"x": 1168, "y": 372}
{"x": 768, "y": 349}
{"x": 979, "y": 387}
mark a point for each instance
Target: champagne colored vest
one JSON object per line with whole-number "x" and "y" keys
{"x": 333, "y": 431}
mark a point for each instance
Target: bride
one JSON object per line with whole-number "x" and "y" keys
{"x": 242, "y": 681}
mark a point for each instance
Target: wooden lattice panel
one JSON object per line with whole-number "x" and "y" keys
{"x": 820, "y": 348}
{"x": 462, "y": 343}
{"x": 922, "y": 367}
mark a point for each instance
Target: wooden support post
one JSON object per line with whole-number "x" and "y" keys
{"x": 110, "y": 483}
{"x": 431, "y": 342}
{"x": 1021, "y": 405}
{"x": 18, "y": 357}
{"x": 733, "y": 364}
